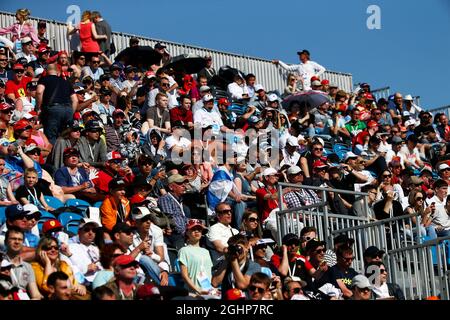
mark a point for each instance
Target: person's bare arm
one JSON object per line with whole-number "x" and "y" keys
{"x": 241, "y": 280}
{"x": 189, "y": 282}
{"x": 218, "y": 245}
{"x": 284, "y": 265}
{"x": 34, "y": 291}
{"x": 74, "y": 100}
{"x": 39, "y": 95}
{"x": 97, "y": 36}
{"x": 345, "y": 291}
{"x": 304, "y": 167}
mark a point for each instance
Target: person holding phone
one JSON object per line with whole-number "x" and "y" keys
{"x": 440, "y": 220}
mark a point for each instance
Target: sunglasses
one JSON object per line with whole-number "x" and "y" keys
{"x": 296, "y": 290}
{"x": 227, "y": 211}
{"x": 365, "y": 290}
{"x": 292, "y": 243}
{"x": 377, "y": 113}
{"x": 128, "y": 232}
{"x": 419, "y": 199}
{"x": 318, "y": 149}
{"x": 35, "y": 216}
{"x": 307, "y": 238}
{"x": 165, "y": 85}
{"x": 89, "y": 230}
{"x": 116, "y": 161}
{"x": 81, "y": 58}
{"x": 387, "y": 175}
{"x": 347, "y": 259}
{"x": 48, "y": 248}
{"x": 383, "y": 271}
{"x": 253, "y": 219}
{"x": 36, "y": 153}
{"x": 319, "y": 251}
{"x": 253, "y": 288}
{"x": 19, "y": 71}
{"x": 3, "y": 60}
{"x": 95, "y": 61}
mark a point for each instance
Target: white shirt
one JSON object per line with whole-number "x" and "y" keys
{"x": 289, "y": 159}
{"x": 171, "y": 142}
{"x": 306, "y": 70}
{"x": 207, "y": 118}
{"x": 82, "y": 256}
{"x": 156, "y": 240}
{"x": 236, "y": 91}
{"x": 221, "y": 232}
{"x": 440, "y": 216}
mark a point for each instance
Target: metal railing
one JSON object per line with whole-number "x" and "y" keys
{"x": 444, "y": 109}
{"x": 316, "y": 215}
{"x": 272, "y": 77}
{"x": 421, "y": 270}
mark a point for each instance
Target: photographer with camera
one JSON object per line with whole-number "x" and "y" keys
{"x": 235, "y": 269}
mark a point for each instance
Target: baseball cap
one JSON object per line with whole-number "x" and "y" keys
{"x": 290, "y": 237}
{"x": 150, "y": 74}
{"x": 343, "y": 238}
{"x": 31, "y": 208}
{"x": 115, "y": 66}
{"x": 118, "y": 112}
{"x": 272, "y": 97}
{"x": 416, "y": 180}
{"x": 325, "y": 82}
{"x": 408, "y": 97}
{"x": 234, "y": 294}
{"x": 5, "y": 264}
{"x": 316, "y": 83}
{"x": 22, "y": 124}
{"x": 194, "y": 223}
{"x": 68, "y": 152}
{"x": 30, "y": 146}
{"x": 294, "y": 170}
{"x": 32, "y": 85}
{"x": 410, "y": 122}
{"x": 86, "y": 221}
{"x": 372, "y": 124}
{"x": 15, "y": 211}
{"x": 105, "y": 91}
{"x": 129, "y": 69}
{"x": 304, "y": 51}
{"x": 373, "y": 251}
{"x": 87, "y": 111}
{"x": 292, "y": 141}
{"x": 259, "y": 87}
{"x": 396, "y": 140}
{"x": 426, "y": 168}
{"x": 224, "y": 101}
{"x": 443, "y": 166}
{"x": 350, "y": 155}
{"x": 361, "y": 282}
{"x": 204, "y": 88}
{"x": 93, "y": 125}
{"x": 5, "y": 106}
{"x": 51, "y": 225}
{"x": 124, "y": 260}
{"x": 148, "y": 291}
{"x": 269, "y": 172}
{"x": 137, "y": 198}
{"x": 208, "y": 97}
{"x": 116, "y": 184}
{"x": 176, "y": 178}
{"x": 159, "y": 45}
{"x": 26, "y": 40}
{"x": 139, "y": 212}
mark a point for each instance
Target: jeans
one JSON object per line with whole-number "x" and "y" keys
{"x": 150, "y": 268}
{"x": 55, "y": 118}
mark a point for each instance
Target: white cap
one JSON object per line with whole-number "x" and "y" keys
{"x": 86, "y": 221}
{"x": 410, "y": 122}
{"x": 408, "y": 97}
{"x": 259, "y": 87}
{"x": 26, "y": 39}
{"x": 31, "y": 208}
{"x": 269, "y": 172}
{"x": 443, "y": 166}
{"x": 349, "y": 155}
{"x": 294, "y": 170}
{"x": 240, "y": 159}
{"x": 208, "y": 97}
{"x": 139, "y": 213}
{"x": 316, "y": 83}
{"x": 361, "y": 282}
{"x": 382, "y": 148}
{"x": 272, "y": 97}
{"x": 292, "y": 141}
{"x": 320, "y": 140}
{"x": 5, "y": 263}
{"x": 204, "y": 88}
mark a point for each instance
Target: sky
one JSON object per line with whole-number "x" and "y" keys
{"x": 408, "y": 52}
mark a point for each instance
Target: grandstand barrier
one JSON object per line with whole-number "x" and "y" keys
{"x": 271, "y": 76}
{"x": 317, "y": 215}
{"x": 421, "y": 270}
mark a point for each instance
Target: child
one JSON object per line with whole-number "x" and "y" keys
{"x": 130, "y": 147}
{"x": 30, "y": 192}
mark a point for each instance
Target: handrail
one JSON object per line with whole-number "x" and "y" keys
{"x": 356, "y": 193}
{"x": 428, "y": 243}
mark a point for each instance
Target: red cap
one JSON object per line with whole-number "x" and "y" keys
{"x": 113, "y": 155}
{"x": 368, "y": 96}
{"x": 224, "y": 101}
{"x": 403, "y": 129}
{"x": 62, "y": 52}
{"x": 234, "y": 294}
{"x": 137, "y": 198}
{"x": 314, "y": 78}
{"x": 325, "y": 82}
{"x": 124, "y": 260}
{"x": 18, "y": 66}
{"x": 43, "y": 49}
{"x": 194, "y": 223}
{"x": 150, "y": 74}
{"x": 118, "y": 111}
{"x": 50, "y": 225}
{"x": 372, "y": 124}
{"x": 5, "y": 106}
{"x": 21, "y": 124}
{"x": 319, "y": 164}
{"x": 148, "y": 291}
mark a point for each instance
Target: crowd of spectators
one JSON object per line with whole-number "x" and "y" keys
{"x": 181, "y": 175}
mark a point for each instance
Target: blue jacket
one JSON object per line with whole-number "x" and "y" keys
{"x": 63, "y": 179}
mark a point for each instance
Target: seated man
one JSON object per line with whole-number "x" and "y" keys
{"x": 74, "y": 179}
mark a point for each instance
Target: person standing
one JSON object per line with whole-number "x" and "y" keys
{"x": 88, "y": 34}
{"x": 306, "y": 69}
{"x": 103, "y": 28}
{"x": 57, "y": 101}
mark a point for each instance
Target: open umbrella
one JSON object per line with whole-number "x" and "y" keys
{"x": 144, "y": 56}
{"x": 224, "y": 77}
{"x": 188, "y": 63}
{"x": 309, "y": 99}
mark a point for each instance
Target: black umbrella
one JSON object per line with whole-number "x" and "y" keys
{"x": 187, "y": 63}
{"x": 228, "y": 73}
{"x": 144, "y": 56}
{"x": 309, "y": 99}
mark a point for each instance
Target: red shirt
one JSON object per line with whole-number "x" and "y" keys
{"x": 276, "y": 260}
{"x": 18, "y": 88}
{"x": 103, "y": 179}
{"x": 181, "y": 114}
{"x": 265, "y": 206}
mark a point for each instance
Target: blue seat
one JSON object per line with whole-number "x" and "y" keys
{"x": 45, "y": 215}
{"x": 98, "y": 204}
{"x": 175, "y": 279}
{"x": 66, "y": 217}
{"x": 72, "y": 227}
{"x": 78, "y": 203}
{"x": 2, "y": 215}
{"x": 53, "y": 202}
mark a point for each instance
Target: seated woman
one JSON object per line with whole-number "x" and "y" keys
{"x": 47, "y": 262}
{"x": 39, "y": 137}
{"x": 382, "y": 289}
{"x": 108, "y": 253}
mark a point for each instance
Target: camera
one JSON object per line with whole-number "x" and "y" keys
{"x": 235, "y": 250}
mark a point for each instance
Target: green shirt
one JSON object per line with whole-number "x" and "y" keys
{"x": 198, "y": 263}
{"x": 354, "y": 129}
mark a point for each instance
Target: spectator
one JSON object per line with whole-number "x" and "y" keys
{"x": 251, "y": 226}
{"x": 103, "y": 293}
{"x": 59, "y": 286}
{"x": 158, "y": 116}
{"x": 93, "y": 69}
{"x": 116, "y": 207}
{"x": 383, "y": 289}
{"x": 259, "y": 286}
{"x": 440, "y": 220}
{"x": 373, "y": 254}
{"x": 27, "y": 50}
{"x": 238, "y": 88}
{"x": 92, "y": 148}
{"x": 108, "y": 253}
{"x": 57, "y": 101}
{"x": 293, "y": 289}
{"x": 102, "y": 27}
{"x": 103, "y": 107}
{"x": 195, "y": 261}
{"x": 47, "y": 262}
{"x": 300, "y": 197}
{"x": 30, "y": 192}
{"x": 306, "y": 69}
{"x": 6, "y": 194}
{"x": 292, "y": 85}
{"x": 88, "y": 33}
{"x": 267, "y": 197}
{"x": 183, "y": 112}
{"x": 236, "y": 269}
{"x": 388, "y": 207}
{"x": 16, "y": 87}
{"x": 124, "y": 273}
{"x": 361, "y": 288}
{"x": 69, "y": 139}
{"x": 208, "y": 71}
{"x": 22, "y": 27}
